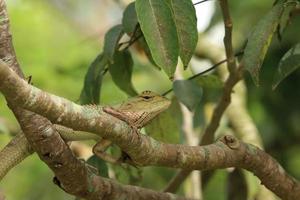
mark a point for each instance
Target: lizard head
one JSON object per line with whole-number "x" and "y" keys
{"x": 147, "y": 101}
{"x": 154, "y": 102}
{"x": 141, "y": 109}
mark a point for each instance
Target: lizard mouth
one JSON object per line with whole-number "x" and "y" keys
{"x": 164, "y": 104}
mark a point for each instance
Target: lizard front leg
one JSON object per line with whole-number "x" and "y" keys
{"x": 129, "y": 118}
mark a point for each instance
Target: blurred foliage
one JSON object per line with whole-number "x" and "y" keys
{"x": 57, "y": 53}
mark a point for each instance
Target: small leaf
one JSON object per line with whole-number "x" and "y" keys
{"x": 157, "y": 24}
{"x": 212, "y": 86}
{"x": 167, "y": 125}
{"x": 92, "y": 81}
{"x": 111, "y": 40}
{"x": 259, "y": 41}
{"x": 99, "y": 164}
{"x": 185, "y": 19}
{"x": 209, "y": 81}
{"x": 121, "y": 71}
{"x": 130, "y": 20}
{"x": 288, "y": 64}
{"x": 188, "y": 93}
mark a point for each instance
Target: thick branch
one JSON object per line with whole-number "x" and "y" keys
{"x": 228, "y": 152}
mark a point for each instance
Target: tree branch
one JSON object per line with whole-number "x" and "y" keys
{"x": 227, "y": 152}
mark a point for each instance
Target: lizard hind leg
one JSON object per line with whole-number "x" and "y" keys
{"x": 100, "y": 148}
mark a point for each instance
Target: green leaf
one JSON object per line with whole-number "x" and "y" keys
{"x": 199, "y": 118}
{"x": 188, "y": 93}
{"x": 259, "y": 41}
{"x": 167, "y": 125}
{"x": 130, "y": 20}
{"x": 185, "y": 19}
{"x": 212, "y": 86}
{"x": 99, "y": 164}
{"x": 111, "y": 40}
{"x": 288, "y": 64}
{"x": 286, "y": 15}
{"x": 157, "y": 24}
{"x": 121, "y": 71}
{"x": 146, "y": 49}
{"x": 92, "y": 81}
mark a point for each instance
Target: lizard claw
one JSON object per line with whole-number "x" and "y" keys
{"x": 99, "y": 150}
{"x": 136, "y": 131}
{"x": 125, "y": 158}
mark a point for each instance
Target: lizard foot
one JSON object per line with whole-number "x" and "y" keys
{"x": 136, "y": 131}
{"x": 99, "y": 150}
{"x": 125, "y": 158}
{"x": 29, "y": 80}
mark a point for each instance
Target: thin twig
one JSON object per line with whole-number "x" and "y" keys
{"x": 133, "y": 41}
{"x": 199, "y": 74}
{"x": 231, "y": 64}
{"x": 208, "y": 135}
{"x": 200, "y": 2}
{"x": 234, "y": 77}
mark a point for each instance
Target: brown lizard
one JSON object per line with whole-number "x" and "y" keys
{"x": 136, "y": 112}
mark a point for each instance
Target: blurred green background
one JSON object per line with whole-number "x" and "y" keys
{"x": 55, "y": 42}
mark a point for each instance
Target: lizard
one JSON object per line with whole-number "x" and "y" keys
{"x": 137, "y": 112}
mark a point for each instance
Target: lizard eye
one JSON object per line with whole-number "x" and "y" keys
{"x": 147, "y": 97}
